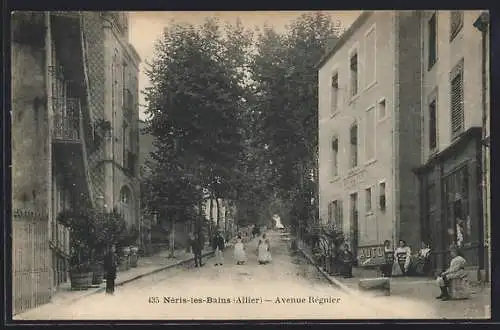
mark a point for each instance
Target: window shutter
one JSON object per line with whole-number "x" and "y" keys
{"x": 432, "y": 126}
{"x": 335, "y": 93}
{"x": 457, "y": 104}
{"x": 330, "y": 216}
{"x": 340, "y": 218}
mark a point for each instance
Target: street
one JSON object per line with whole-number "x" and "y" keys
{"x": 288, "y": 288}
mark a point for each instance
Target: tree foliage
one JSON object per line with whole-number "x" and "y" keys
{"x": 236, "y": 114}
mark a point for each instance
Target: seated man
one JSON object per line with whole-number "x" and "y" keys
{"x": 456, "y": 271}
{"x": 419, "y": 261}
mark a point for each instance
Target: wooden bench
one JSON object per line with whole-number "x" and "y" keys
{"x": 379, "y": 285}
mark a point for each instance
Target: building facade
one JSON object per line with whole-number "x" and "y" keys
{"x": 74, "y": 132}
{"x": 369, "y": 124}
{"x": 454, "y": 112}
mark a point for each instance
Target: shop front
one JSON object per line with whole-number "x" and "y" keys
{"x": 451, "y": 201}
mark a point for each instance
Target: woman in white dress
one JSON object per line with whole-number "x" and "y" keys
{"x": 239, "y": 251}
{"x": 264, "y": 250}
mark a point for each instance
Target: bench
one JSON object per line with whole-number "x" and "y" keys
{"x": 379, "y": 285}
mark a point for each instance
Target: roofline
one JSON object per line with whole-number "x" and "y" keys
{"x": 345, "y": 36}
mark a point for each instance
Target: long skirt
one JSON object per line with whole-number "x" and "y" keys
{"x": 239, "y": 254}
{"x": 264, "y": 254}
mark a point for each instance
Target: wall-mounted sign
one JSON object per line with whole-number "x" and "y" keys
{"x": 372, "y": 255}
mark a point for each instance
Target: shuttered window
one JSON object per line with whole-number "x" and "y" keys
{"x": 354, "y": 74}
{"x": 457, "y": 101}
{"x": 432, "y": 40}
{"x": 335, "y": 93}
{"x": 354, "y": 146}
{"x": 432, "y": 126}
{"x": 335, "y": 157}
{"x": 456, "y": 22}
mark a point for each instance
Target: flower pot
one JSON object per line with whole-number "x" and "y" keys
{"x": 80, "y": 280}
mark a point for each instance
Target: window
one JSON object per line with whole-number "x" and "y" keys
{"x": 354, "y": 74}
{"x": 432, "y": 126}
{"x": 381, "y": 109}
{"x": 368, "y": 200}
{"x": 457, "y": 101}
{"x": 126, "y": 144}
{"x": 432, "y": 39}
{"x": 456, "y": 23}
{"x": 335, "y": 157}
{"x": 335, "y": 93}
{"x": 354, "y": 146}
{"x": 335, "y": 213}
{"x": 382, "y": 196}
{"x": 370, "y": 59}
{"x": 370, "y": 134}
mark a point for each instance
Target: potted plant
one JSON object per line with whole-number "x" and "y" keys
{"x": 107, "y": 227}
{"x": 80, "y": 228}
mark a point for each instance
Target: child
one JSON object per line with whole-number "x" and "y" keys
{"x": 239, "y": 251}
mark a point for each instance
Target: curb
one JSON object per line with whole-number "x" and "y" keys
{"x": 103, "y": 288}
{"x": 330, "y": 279}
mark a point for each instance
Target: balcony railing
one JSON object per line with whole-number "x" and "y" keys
{"x": 66, "y": 119}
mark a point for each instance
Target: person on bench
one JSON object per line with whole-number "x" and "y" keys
{"x": 419, "y": 261}
{"x": 403, "y": 254}
{"x": 456, "y": 271}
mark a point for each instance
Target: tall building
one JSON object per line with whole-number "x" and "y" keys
{"x": 74, "y": 136}
{"x": 369, "y": 131}
{"x": 454, "y": 102}
{"x": 404, "y": 132}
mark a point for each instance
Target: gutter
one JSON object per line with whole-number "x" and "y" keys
{"x": 344, "y": 38}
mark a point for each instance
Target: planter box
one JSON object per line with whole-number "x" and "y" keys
{"x": 81, "y": 280}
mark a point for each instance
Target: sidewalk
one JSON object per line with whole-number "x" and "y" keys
{"x": 415, "y": 288}
{"x": 145, "y": 266}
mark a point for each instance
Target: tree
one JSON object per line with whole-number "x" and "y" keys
{"x": 194, "y": 103}
{"x": 286, "y": 83}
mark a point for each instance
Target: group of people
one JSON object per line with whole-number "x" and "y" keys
{"x": 239, "y": 253}
{"x": 401, "y": 261}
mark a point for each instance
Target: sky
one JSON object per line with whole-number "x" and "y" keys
{"x": 146, "y": 27}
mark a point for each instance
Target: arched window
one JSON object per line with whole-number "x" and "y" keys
{"x": 126, "y": 205}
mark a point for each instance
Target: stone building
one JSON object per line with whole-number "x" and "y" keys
{"x": 74, "y": 136}
{"x": 369, "y": 131}
{"x": 455, "y": 96}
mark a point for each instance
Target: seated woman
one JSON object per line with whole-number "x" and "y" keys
{"x": 456, "y": 271}
{"x": 346, "y": 259}
{"x": 403, "y": 254}
{"x": 419, "y": 261}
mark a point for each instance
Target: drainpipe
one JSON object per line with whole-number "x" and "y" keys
{"x": 482, "y": 24}
{"x": 48, "y": 86}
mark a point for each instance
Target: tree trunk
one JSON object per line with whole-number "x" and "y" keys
{"x": 218, "y": 212}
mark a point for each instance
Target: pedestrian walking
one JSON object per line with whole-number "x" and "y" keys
{"x": 218, "y": 246}
{"x": 110, "y": 263}
{"x": 264, "y": 250}
{"x": 197, "y": 248}
{"x": 239, "y": 251}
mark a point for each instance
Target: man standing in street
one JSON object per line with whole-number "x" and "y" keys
{"x": 218, "y": 246}
{"x": 197, "y": 248}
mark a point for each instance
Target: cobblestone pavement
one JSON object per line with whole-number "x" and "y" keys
{"x": 288, "y": 288}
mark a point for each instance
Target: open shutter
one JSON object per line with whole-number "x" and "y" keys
{"x": 457, "y": 103}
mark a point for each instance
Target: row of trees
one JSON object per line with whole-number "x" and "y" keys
{"x": 234, "y": 116}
